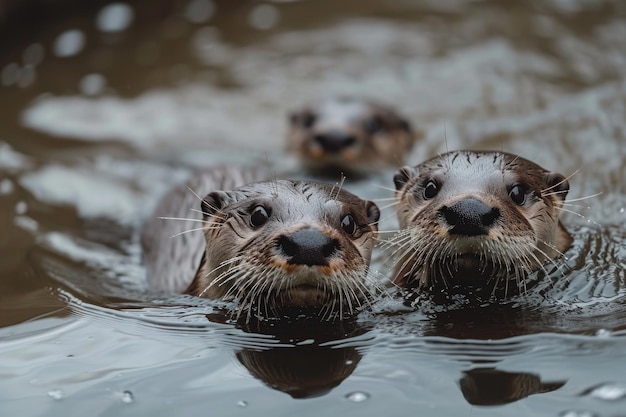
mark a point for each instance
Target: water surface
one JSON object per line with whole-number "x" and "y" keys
{"x": 108, "y": 105}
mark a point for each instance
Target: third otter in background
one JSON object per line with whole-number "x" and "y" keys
{"x": 349, "y": 135}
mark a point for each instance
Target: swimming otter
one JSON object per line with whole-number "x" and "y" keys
{"x": 282, "y": 243}
{"x": 273, "y": 244}
{"x": 477, "y": 218}
{"x": 349, "y": 134}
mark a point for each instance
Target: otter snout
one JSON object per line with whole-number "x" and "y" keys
{"x": 335, "y": 141}
{"x": 469, "y": 217}
{"x": 308, "y": 247}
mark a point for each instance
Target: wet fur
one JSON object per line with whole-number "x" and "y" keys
{"x": 243, "y": 262}
{"x": 382, "y": 137}
{"x": 523, "y": 239}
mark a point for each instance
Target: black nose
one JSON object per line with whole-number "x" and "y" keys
{"x": 335, "y": 141}
{"x": 470, "y": 217}
{"x": 308, "y": 247}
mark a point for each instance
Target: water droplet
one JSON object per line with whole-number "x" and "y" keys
{"x": 69, "y": 43}
{"x": 56, "y": 394}
{"x": 608, "y": 391}
{"x": 577, "y": 413}
{"x": 358, "y": 396}
{"x": 199, "y": 11}
{"x": 242, "y": 403}
{"x": 604, "y": 333}
{"x": 349, "y": 362}
{"x": 92, "y": 84}
{"x": 6, "y": 187}
{"x": 621, "y": 210}
{"x": 26, "y": 76}
{"x": 115, "y": 17}
{"x": 21, "y": 207}
{"x": 264, "y": 16}
{"x": 10, "y": 74}
{"x": 33, "y": 55}
{"x": 127, "y": 397}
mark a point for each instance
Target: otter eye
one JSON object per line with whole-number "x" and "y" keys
{"x": 373, "y": 125}
{"x": 308, "y": 120}
{"x": 348, "y": 224}
{"x": 518, "y": 194}
{"x": 431, "y": 189}
{"x": 258, "y": 217}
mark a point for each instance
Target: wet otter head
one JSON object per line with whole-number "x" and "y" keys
{"x": 280, "y": 244}
{"x": 349, "y": 134}
{"x": 479, "y": 218}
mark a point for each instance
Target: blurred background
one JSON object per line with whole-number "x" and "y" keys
{"x": 104, "y": 105}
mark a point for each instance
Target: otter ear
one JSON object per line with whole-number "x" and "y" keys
{"x": 304, "y": 118}
{"x": 212, "y": 203}
{"x": 293, "y": 117}
{"x": 373, "y": 212}
{"x": 557, "y": 185}
{"x": 403, "y": 175}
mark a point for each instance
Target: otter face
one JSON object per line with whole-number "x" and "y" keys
{"x": 477, "y": 217}
{"x": 287, "y": 244}
{"x": 349, "y": 134}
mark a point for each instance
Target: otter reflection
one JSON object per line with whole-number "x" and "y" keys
{"x": 489, "y": 386}
{"x": 306, "y": 364}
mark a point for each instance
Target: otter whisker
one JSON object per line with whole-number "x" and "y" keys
{"x": 196, "y": 194}
{"x": 188, "y": 231}
{"x": 553, "y": 247}
{"x": 385, "y": 207}
{"x": 570, "y": 200}
{"x": 219, "y": 280}
{"x": 186, "y": 219}
{"x": 384, "y": 187}
{"x": 337, "y": 187}
{"x": 562, "y": 181}
{"x": 348, "y": 298}
{"x": 217, "y": 214}
{"x": 581, "y": 216}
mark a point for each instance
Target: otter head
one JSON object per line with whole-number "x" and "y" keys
{"x": 477, "y": 217}
{"x": 280, "y": 244}
{"x": 349, "y": 134}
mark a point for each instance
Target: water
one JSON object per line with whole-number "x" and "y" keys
{"x": 107, "y": 105}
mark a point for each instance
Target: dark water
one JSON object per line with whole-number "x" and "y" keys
{"x": 106, "y": 105}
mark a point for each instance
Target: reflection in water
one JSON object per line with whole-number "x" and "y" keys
{"x": 301, "y": 371}
{"x": 89, "y": 140}
{"x": 304, "y": 365}
{"x": 489, "y": 386}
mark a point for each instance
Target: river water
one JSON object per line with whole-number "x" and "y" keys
{"x": 105, "y": 106}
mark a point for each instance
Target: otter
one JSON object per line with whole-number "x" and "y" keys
{"x": 349, "y": 134}
{"x": 278, "y": 244}
{"x": 283, "y": 243}
{"x": 477, "y": 218}
{"x": 171, "y": 238}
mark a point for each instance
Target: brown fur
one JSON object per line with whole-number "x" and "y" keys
{"x": 521, "y": 239}
{"x": 249, "y": 264}
{"x": 378, "y": 135}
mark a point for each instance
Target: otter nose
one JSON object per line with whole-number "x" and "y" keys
{"x": 335, "y": 141}
{"x": 470, "y": 217}
{"x": 308, "y": 247}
